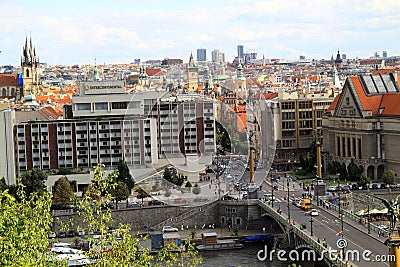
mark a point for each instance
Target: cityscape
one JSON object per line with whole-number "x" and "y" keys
{"x": 228, "y": 153}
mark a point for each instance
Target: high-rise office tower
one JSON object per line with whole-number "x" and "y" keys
{"x": 217, "y": 56}
{"x": 201, "y": 54}
{"x": 240, "y": 50}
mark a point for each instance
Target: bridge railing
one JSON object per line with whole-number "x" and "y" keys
{"x": 300, "y": 233}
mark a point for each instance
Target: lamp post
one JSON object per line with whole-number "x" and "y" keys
{"x": 340, "y": 215}
{"x": 316, "y": 190}
{"x": 288, "y": 204}
{"x": 311, "y": 221}
{"x": 368, "y": 219}
{"x": 272, "y": 189}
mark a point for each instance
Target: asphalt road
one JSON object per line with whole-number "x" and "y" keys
{"x": 325, "y": 225}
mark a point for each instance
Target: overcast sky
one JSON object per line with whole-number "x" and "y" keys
{"x": 118, "y": 31}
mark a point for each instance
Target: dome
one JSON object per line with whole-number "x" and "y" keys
{"x": 30, "y": 97}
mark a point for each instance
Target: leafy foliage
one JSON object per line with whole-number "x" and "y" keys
{"x": 388, "y": 177}
{"x": 33, "y": 181}
{"x": 188, "y": 184}
{"x": 171, "y": 176}
{"x": 196, "y": 189}
{"x": 62, "y": 193}
{"x": 124, "y": 175}
{"x": 120, "y": 192}
{"x": 141, "y": 194}
{"x": 26, "y": 221}
{"x": 364, "y": 179}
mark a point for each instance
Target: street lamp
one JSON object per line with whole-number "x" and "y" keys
{"x": 311, "y": 221}
{"x": 272, "y": 189}
{"x": 316, "y": 188}
{"x": 288, "y": 204}
{"x": 340, "y": 215}
{"x": 368, "y": 219}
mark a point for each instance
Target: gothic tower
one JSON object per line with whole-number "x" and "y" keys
{"x": 192, "y": 76}
{"x": 30, "y": 69}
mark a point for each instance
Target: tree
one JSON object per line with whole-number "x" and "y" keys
{"x": 171, "y": 176}
{"x": 364, "y": 179}
{"x": 141, "y": 194}
{"x": 353, "y": 171}
{"x": 64, "y": 171}
{"x": 167, "y": 193}
{"x": 26, "y": 221}
{"x": 124, "y": 175}
{"x": 388, "y": 177}
{"x": 188, "y": 184}
{"x": 196, "y": 189}
{"x": 120, "y": 192}
{"x": 33, "y": 181}
{"x": 62, "y": 192}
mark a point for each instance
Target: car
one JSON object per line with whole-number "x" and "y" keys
{"x": 133, "y": 204}
{"x": 269, "y": 197}
{"x": 313, "y": 212}
{"x": 155, "y": 202}
{"x": 71, "y": 233}
{"x": 168, "y": 228}
{"x": 331, "y": 188}
{"x": 180, "y": 200}
{"x": 52, "y": 235}
{"x": 374, "y": 186}
{"x": 382, "y": 186}
{"x": 62, "y": 234}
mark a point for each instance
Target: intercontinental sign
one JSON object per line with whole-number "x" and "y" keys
{"x": 101, "y": 87}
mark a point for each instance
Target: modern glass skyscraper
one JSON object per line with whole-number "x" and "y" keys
{"x": 240, "y": 50}
{"x": 201, "y": 54}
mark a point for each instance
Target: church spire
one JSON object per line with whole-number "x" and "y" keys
{"x": 191, "y": 61}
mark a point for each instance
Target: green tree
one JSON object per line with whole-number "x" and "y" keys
{"x": 26, "y": 221}
{"x": 141, "y": 194}
{"x": 167, "y": 193}
{"x": 171, "y": 176}
{"x": 124, "y": 175}
{"x": 33, "y": 181}
{"x": 64, "y": 171}
{"x": 188, "y": 184}
{"x": 364, "y": 179}
{"x": 353, "y": 171}
{"x": 196, "y": 189}
{"x": 120, "y": 192}
{"x": 62, "y": 192}
{"x": 388, "y": 177}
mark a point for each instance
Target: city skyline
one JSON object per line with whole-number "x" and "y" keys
{"x": 118, "y": 32}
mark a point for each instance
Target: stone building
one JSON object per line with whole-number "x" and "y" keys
{"x": 363, "y": 123}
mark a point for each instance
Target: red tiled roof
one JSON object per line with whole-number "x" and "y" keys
{"x": 390, "y": 104}
{"x": 155, "y": 71}
{"x": 368, "y": 102}
{"x": 9, "y": 79}
{"x": 334, "y": 103}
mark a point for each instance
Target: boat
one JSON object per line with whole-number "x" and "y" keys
{"x": 220, "y": 245}
{"x": 257, "y": 238}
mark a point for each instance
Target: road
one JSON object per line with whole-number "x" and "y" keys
{"x": 326, "y": 224}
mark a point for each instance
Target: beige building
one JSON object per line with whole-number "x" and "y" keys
{"x": 30, "y": 69}
{"x": 363, "y": 124}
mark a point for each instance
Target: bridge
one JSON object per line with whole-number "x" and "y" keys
{"x": 301, "y": 238}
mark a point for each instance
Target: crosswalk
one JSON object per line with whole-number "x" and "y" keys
{"x": 278, "y": 200}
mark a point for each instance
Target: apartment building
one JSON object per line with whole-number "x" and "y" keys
{"x": 108, "y": 125}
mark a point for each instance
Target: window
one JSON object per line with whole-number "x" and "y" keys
{"x": 82, "y": 106}
{"x": 347, "y": 101}
{"x": 119, "y": 105}
{"x": 101, "y": 106}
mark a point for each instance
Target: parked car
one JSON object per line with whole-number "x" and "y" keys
{"x": 62, "y": 234}
{"x": 133, "y": 204}
{"x": 331, "y": 188}
{"x": 168, "y": 228}
{"x": 180, "y": 200}
{"x": 71, "y": 233}
{"x": 383, "y": 186}
{"x": 52, "y": 235}
{"x": 373, "y": 186}
{"x": 155, "y": 202}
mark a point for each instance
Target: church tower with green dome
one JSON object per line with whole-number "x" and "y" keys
{"x": 30, "y": 69}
